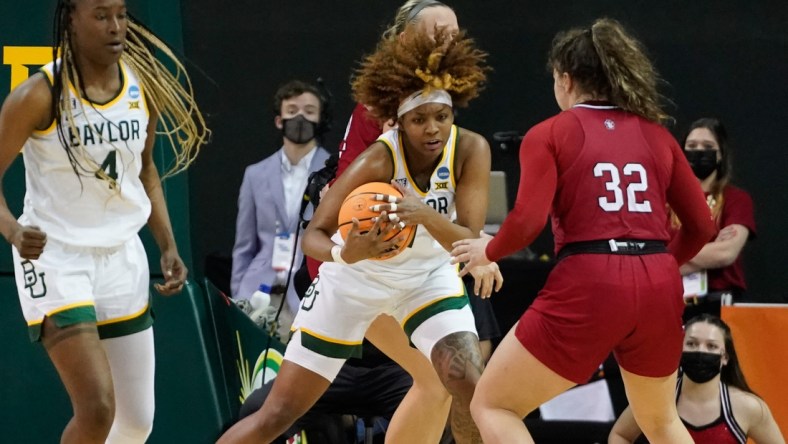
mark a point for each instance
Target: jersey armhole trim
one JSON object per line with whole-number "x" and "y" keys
{"x": 455, "y": 131}
{"x": 51, "y": 83}
{"x": 392, "y": 155}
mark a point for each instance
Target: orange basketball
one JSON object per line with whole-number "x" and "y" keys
{"x": 357, "y": 205}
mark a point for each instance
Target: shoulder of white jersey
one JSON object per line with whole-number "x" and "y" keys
{"x": 48, "y": 71}
{"x": 390, "y": 138}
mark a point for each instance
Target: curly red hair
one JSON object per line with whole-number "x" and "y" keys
{"x": 397, "y": 69}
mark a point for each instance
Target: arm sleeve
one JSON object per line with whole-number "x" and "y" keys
{"x": 362, "y": 131}
{"x": 538, "y": 182}
{"x": 246, "y": 245}
{"x": 686, "y": 198}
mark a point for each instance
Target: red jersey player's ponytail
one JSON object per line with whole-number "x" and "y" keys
{"x": 606, "y": 61}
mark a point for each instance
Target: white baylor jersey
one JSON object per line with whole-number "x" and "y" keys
{"x": 85, "y": 210}
{"x": 425, "y": 254}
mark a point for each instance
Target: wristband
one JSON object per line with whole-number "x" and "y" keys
{"x": 336, "y": 254}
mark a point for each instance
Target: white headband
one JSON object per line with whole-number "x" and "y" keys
{"x": 420, "y": 98}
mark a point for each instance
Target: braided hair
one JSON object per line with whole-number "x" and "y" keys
{"x": 180, "y": 119}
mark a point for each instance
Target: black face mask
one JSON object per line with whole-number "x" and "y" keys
{"x": 703, "y": 162}
{"x": 298, "y": 129}
{"x": 701, "y": 367}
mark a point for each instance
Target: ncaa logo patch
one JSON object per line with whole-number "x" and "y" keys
{"x": 134, "y": 91}
{"x": 610, "y": 124}
{"x": 443, "y": 173}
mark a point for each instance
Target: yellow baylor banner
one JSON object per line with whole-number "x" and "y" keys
{"x": 22, "y": 59}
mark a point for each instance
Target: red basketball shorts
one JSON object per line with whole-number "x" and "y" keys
{"x": 595, "y": 303}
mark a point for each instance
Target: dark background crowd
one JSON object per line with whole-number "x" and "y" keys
{"x": 719, "y": 59}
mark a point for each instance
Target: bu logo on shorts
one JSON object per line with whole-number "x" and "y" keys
{"x": 34, "y": 283}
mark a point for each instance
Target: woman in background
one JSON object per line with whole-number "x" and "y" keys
{"x": 708, "y": 151}
{"x": 712, "y": 397}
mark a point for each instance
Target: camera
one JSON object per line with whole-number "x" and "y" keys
{"x": 316, "y": 182}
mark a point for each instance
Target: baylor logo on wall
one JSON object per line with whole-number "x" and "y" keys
{"x": 34, "y": 282}
{"x": 267, "y": 367}
{"x": 264, "y": 370}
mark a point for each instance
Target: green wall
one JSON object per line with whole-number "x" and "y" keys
{"x": 35, "y": 32}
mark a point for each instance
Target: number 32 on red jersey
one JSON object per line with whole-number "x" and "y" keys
{"x": 638, "y": 184}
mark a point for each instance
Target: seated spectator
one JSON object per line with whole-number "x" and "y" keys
{"x": 270, "y": 199}
{"x": 709, "y": 153}
{"x": 713, "y": 399}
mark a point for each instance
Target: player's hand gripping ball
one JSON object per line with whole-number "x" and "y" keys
{"x": 358, "y": 204}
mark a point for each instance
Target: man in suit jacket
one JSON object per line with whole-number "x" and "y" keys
{"x": 271, "y": 194}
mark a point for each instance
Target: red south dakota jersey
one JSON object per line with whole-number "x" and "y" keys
{"x": 608, "y": 173}
{"x": 613, "y": 170}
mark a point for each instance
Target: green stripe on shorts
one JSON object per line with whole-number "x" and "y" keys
{"x": 330, "y": 349}
{"x": 127, "y": 326}
{"x": 445, "y": 304}
{"x": 76, "y": 315}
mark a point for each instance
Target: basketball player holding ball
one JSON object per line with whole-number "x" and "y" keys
{"x": 359, "y": 212}
{"x": 440, "y": 169}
